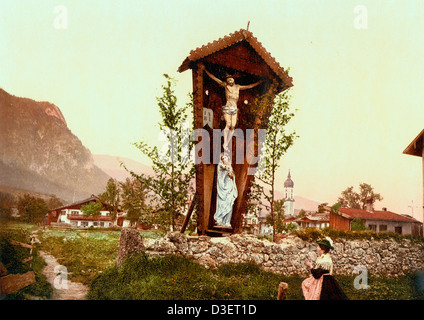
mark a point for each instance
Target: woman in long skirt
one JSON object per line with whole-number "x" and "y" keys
{"x": 321, "y": 285}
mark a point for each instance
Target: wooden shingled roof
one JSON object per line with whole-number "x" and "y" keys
{"x": 415, "y": 148}
{"x": 234, "y": 38}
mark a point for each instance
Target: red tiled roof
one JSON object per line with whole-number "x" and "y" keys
{"x": 233, "y": 38}
{"x": 374, "y": 215}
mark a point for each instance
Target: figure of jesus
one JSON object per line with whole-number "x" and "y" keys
{"x": 230, "y": 110}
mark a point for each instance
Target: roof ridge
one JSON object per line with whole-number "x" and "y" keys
{"x": 388, "y": 214}
{"x": 231, "y": 39}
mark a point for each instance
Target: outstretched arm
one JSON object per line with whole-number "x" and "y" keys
{"x": 220, "y": 82}
{"x": 250, "y": 86}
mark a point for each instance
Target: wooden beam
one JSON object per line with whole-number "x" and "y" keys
{"x": 189, "y": 212}
{"x": 27, "y": 259}
{"x": 218, "y": 231}
{"x": 17, "y": 243}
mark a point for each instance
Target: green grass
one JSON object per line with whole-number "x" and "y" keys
{"x": 407, "y": 287}
{"x": 178, "y": 278}
{"x": 90, "y": 257}
{"x": 85, "y": 253}
{"x": 173, "y": 277}
{"x": 11, "y": 256}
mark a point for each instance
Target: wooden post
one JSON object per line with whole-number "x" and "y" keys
{"x": 282, "y": 291}
{"x": 422, "y": 157}
{"x": 17, "y": 243}
{"x": 189, "y": 212}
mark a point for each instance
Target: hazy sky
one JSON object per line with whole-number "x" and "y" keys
{"x": 357, "y": 68}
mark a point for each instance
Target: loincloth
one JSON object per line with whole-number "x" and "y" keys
{"x": 229, "y": 110}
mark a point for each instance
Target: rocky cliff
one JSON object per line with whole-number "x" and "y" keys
{"x": 39, "y": 153}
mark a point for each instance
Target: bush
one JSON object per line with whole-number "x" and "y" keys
{"x": 11, "y": 257}
{"x": 358, "y": 225}
{"x": 313, "y": 234}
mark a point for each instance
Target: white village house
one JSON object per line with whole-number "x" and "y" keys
{"x": 71, "y": 216}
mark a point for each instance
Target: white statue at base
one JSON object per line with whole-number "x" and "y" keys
{"x": 226, "y": 192}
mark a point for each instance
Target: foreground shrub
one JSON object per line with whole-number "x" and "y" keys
{"x": 11, "y": 257}
{"x": 313, "y": 234}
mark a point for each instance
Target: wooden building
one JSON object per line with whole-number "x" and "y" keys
{"x": 416, "y": 148}
{"x": 72, "y": 216}
{"x": 312, "y": 220}
{"x": 242, "y": 55}
{"x": 376, "y": 220}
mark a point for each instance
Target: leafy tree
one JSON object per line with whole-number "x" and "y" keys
{"x": 133, "y": 201}
{"x": 349, "y": 199}
{"x": 301, "y": 213}
{"x": 173, "y": 169}
{"x": 321, "y": 207}
{"x": 358, "y": 224}
{"x": 7, "y": 202}
{"x": 54, "y": 202}
{"x": 335, "y": 208}
{"x": 111, "y": 197}
{"x": 91, "y": 209}
{"x": 277, "y": 142}
{"x": 279, "y": 215}
{"x": 352, "y": 199}
{"x": 32, "y": 209}
{"x": 289, "y": 227}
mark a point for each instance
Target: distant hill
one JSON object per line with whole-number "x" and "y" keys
{"x": 39, "y": 153}
{"x": 301, "y": 202}
{"x": 112, "y": 166}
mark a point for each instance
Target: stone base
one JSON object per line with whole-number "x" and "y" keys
{"x": 129, "y": 242}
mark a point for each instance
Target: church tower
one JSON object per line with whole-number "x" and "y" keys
{"x": 288, "y": 196}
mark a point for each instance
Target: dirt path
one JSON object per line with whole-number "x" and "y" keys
{"x": 73, "y": 290}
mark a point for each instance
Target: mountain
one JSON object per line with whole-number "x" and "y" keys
{"x": 39, "y": 153}
{"x": 300, "y": 202}
{"x": 112, "y": 166}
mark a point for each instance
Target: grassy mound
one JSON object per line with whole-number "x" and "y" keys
{"x": 178, "y": 278}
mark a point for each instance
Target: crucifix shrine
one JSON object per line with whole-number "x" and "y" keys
{"x": 229, "y": 76}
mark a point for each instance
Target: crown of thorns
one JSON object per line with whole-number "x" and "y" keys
{"x": 227, "y": 75}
